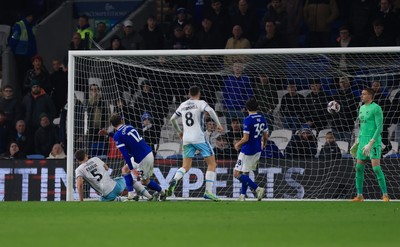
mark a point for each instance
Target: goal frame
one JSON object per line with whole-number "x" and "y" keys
{"x": 103, "y": 53}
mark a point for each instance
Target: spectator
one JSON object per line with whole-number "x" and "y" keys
{"x": 235, "y": 131}
{"x": 178, "y": 39}
{"x": 316, "y": 102}
{"x": 330, "y": 150}
{"x": 303, "y": 145}
{"x": 318, "y": 16}
{"x": 222, "y": 149}
{"x": 276, "y": 13}
{"x": 153, "y": 37}
{"x": 76, "y": 42}
{"x": 98, "y": 111}
{"x": 271, "y": 151}
{"x": 379, "y": 36}
{"x": 181, "y": 20}
{"x": 5, "y": 129}
{"x": 131, "y": 39}
{"x": 84, "y": 31}
{"x": 208, "y": 37}
{"x": 360, "y": 19}
{"x": 59, "y": 85}
{"x": 272, "y": 39}
{"x": 10, "y": 105}
{"x": 124, "y": 110}
{"x": 220, "y": 18}
{"x": 383, "y": 101}
{"x": 343, "y": 121}
{"x": 101, "y": 32}
{"x": 236, "y": 91}
{"x": 345, "y": 39}
{"x": 247, "y": 20}
{"x": 13, "y": 152}
{"x": 237, "y": 41}
{"x": 46, "y": 136}
{"x": 57, "y": 152}
{"x": 115, "y": 43}
{"x": 266, "y": 95}
{"x": 292, "y": 107}
{"x": 211, "y": 133}
{"x": 22, "y": 137}
{"x": 189, "y": 36}
{"x": 34, "y": 104}
{"x": 147, "y": 100}
{"x": 390, "y": 20}
{"x": 295, "y": 21}
{"x": 150, "y": 131}
{"x": 23, "y": 45}
{"x": 39, "y": 73}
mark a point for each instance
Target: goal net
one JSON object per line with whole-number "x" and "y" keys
{"x": 293, "y": 89}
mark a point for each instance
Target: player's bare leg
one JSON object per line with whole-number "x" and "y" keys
{"x": 186, "y": 165}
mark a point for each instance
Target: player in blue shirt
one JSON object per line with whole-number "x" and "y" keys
{"x": 255, "y": 136}
{"x": 137, "y": 154}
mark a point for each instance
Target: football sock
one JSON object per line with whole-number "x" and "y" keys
{"x": 154, "y": 186}
{"x": 179, "y": 174}
{"x": 246, "y": 179}
{"x": 381, "y": 178}
{"x": 210, "y": 178}
{"x": 142, "y": 190}
{"x": 360, "y": 178}
{"x": 128, "y": 182}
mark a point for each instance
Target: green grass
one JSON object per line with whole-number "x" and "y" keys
{"x": 185, "y": 223}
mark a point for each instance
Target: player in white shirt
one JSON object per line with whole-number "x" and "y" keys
{"x": 192, "y": 114}
{"x": 94, "y": 171}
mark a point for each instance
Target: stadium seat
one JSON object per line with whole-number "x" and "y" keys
{"x": 168, "y": 149}
{"x": 35, "y": 157}
{"x": 395, "y": 149}
{"x": 344, "y": 146}
{"x": 280, "y": 136}
{"x": 322, "y": 134}
{"x": 393, "y": 93}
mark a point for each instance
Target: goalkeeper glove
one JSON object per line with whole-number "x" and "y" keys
{"x": 353, "y": 149}
{"x": 367, "y": 148}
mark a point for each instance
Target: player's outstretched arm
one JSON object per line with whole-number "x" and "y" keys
{"x": 175, "y": 124}
{"x": 79, "y": 186}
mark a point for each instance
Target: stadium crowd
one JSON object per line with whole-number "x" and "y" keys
{"x": 29, "y": 105}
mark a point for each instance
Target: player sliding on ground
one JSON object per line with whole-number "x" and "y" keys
{"x": 192, "y": 113}
{"x": 138, "y": 156}
{"x": 369, "y": 144}
{"x": 95, "y": 172}
{"x": 255, "y": 136}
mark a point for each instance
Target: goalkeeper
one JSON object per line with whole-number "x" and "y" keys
{"x": 369, "y": 144}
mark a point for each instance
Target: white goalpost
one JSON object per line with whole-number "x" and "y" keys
{"x": 145, "y": 87}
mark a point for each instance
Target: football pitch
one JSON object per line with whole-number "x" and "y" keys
{"x": 200, "y": 223}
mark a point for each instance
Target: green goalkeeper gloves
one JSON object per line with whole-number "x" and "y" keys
{"x": 353, "y": 149}
{"x": 367, "y": 148}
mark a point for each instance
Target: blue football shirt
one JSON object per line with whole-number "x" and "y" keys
{"x": 255, "y": 125}
{"x": 131, "y": 144}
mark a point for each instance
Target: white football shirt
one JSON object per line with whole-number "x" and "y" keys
{"x": 96, "y": 175}
{"x": 192, "y": 113}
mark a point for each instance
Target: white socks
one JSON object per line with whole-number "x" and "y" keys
{"x": 210, "y": 178}
{"x": 141, "y": 190}
{"x": 179, "y": 174}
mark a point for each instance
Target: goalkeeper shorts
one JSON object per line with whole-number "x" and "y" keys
{"x": 376, "y": 150}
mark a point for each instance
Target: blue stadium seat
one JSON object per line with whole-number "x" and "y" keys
{"x": 35, "y": 157}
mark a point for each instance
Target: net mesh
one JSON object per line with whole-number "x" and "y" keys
{"x": 293, "y": 91}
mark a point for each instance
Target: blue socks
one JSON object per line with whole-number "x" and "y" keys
{"x": 247, "y": 181}
{"x": 128, "y": 181}
{"x": 153, "y": 186}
